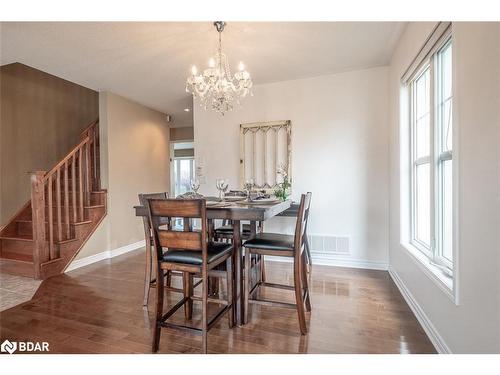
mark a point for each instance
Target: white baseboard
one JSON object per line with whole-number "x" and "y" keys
{"x": 419, "y": 313}
{"x": 322, "y": 260}
{"x": 105, "y": 255}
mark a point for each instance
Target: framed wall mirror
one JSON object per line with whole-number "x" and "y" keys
{"x": 264, "y": 148}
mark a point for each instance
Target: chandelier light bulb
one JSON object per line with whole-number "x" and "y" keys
{"x": 211, "y": 62}
{"x": 194, "y": 71}
{"x": 241, "y": 66}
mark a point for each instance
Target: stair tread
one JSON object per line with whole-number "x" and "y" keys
{"x": 29, "y": 238}
{"x": 71, "y": 223}
{"x": 21, "y": 237}
{"x": 90, "y": 206}
{"x": 66, "y": 241}
{"x": 83, "y": 222}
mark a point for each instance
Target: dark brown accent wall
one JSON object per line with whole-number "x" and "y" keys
{"x": 41, "y": 119}
{"x": 182, "y": 134}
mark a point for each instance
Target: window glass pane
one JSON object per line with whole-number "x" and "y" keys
{"x": 422, "y": 94}
{"x": 423, "y": 140}
{"x": 446, "y": 126}
{"x": 422, "y": 204}
{"x": 445, "y": 57}
{"x": 422, "y": 114}
{"x": 447, "y": 210}
{"x": 444, "y": 98}
{"x": 185, "y": 175}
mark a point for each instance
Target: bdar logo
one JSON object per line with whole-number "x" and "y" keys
{"x": 23, "y": 346}
{"x": 8, "y": 347}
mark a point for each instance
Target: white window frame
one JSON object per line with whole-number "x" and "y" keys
{"x": 440, "y": 269}
{"x": 415, "y": 162}
{"x": 440, "y": 157}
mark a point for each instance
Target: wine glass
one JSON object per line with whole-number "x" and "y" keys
{"x": 221, "y": 184}
{"x": 195, "y": 185}
{"x": 249, "y": 183}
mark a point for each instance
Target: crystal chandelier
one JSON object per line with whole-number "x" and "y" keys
{"x": 216, "y": 88}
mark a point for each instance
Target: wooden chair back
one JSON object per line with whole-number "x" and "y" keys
{"x": 188, "y": 239}
{"x": 301, "y": 226}
{"x": 143, "y": 197}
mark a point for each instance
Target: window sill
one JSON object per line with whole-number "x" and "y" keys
{"x": 443, "y": 281}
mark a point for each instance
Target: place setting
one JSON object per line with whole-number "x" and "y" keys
{"x": 246, "y": 197}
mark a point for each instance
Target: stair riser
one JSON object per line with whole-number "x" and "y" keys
{"x": 26, "y": 228}
{"x": 82, "y": 230}
{"x": 12, "y": 267}
{"x": 63, "y": 214}
{"x": 95, "y": 213}
{"x": 25, "y": 215}
{"x": 70, "y": 184}
{"x": 17, "y": 256}
{"x": 17, "y": 246}
{"x": 95, "y": 198}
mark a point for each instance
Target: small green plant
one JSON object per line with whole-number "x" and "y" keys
{"x": 283, "y": 188}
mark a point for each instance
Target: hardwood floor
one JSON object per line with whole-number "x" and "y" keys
{"x": 98, "y": 309}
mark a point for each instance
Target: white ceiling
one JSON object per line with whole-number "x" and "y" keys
{"x": 149, "y": 62}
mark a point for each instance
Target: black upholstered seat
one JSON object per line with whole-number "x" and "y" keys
{"x": 271, "y": 241}
{"x": 228, "y": 229}
{"x": 215, "y": 250}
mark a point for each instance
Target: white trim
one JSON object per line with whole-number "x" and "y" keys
{"x": 105, "y": 255}
{"x": 419, "y": 313}
{"x": 434, "y": 273}
{"x": 332, "y": 261}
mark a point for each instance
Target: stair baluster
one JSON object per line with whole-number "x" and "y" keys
{"x": 66, "y": 200}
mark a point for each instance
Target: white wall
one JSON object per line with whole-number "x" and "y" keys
{"x": 134, "y": 159}
{"x": 339, "y": 153}
{"x": 473, "y": 326}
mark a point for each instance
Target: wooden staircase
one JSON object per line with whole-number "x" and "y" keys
{"x": 67, "y": 204}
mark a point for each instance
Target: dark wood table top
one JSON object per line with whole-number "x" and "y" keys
{"x": 238, "y": 211}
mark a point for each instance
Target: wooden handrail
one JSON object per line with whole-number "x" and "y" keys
{"x": 53, "y": 210}
{"x": 96, "y": 122}
{"x": 66, "y": 158}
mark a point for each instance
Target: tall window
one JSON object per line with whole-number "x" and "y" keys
{"x": 432, "y": 157}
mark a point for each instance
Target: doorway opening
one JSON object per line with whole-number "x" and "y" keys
{"x": 182, "y": 166}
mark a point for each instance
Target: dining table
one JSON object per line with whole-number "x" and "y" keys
{"x": 237, "y": 212}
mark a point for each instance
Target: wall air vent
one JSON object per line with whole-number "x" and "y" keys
{"x": 327, "y": 244}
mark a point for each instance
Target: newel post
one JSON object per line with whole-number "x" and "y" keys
{"x": 40, "y": 249}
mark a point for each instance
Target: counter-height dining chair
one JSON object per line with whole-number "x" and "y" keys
{"x": 191, "y": 252}
{"x": 282, "y": 245}
{"x": 150, "y": 271}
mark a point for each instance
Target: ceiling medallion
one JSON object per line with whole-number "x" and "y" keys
{"x": 216, "y": 88}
